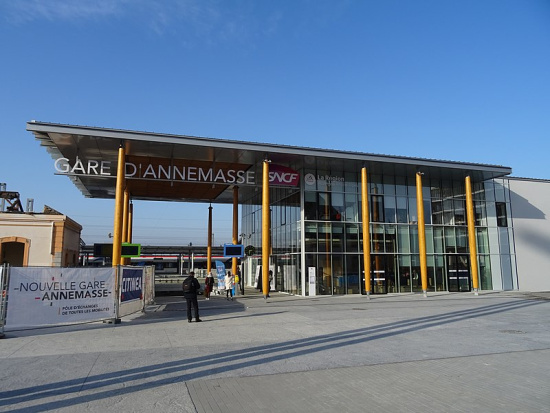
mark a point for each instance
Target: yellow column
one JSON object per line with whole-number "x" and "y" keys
{"x": 471, "y": 233}
{"x": 265, "y": 229}
{"x": 128, "y": 260}
{"x": 130, "y": 222}
{"x": 366, "y": 229}
{"x": 125, "y": 215}
{"x": 209, "y": 246}
{"x": 235, "y": 225}
{"x": 421, "y": 234}
{"x": 119, "y": 206}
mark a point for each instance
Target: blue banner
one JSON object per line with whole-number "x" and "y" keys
{"x": 132, "y": 281}
{"x": 220, "y": 271}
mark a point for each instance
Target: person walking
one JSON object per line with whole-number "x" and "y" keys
{"x": 208, "y": 285}
{"x": 229, "y": 285}
{"x": 191, "y": 287}
{"x": 269, "y": 281}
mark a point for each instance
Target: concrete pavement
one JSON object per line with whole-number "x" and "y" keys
{"x": 395, "y": 353}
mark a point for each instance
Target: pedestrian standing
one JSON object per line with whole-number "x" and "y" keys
{"x": 208, "y": 285}
{"x": 191, "y": 287}
{"x": 229, "y": 279}
{"x": 269, "y": 281}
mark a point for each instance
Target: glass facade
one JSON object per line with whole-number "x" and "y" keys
{"x": 320, "y": 224}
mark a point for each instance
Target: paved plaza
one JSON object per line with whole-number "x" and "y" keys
{"x": 395, "y": 353}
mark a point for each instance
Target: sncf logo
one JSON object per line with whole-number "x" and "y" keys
{"x": 282, "y": 175}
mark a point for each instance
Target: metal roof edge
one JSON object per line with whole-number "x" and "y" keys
{"x": 47, "y": 127}
{"x": 520, "y": 178}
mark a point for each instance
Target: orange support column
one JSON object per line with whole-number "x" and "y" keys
{"x": 366, "y": 229}
{"x": 265, "y": 229}
{"x": 235, "y": 226}
{"x": 209, "y": 246}
{"x": 421, "y": 234}
{"x": 471, "y": 234}
{"x": 119, "y": 207}
{"x": 125, "y": 217}
{"x": 130, "y": 222}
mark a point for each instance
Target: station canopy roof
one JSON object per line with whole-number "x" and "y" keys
{"x": 92, "y": 146}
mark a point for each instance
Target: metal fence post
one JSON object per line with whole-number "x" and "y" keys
{"x": 4, "y": 283}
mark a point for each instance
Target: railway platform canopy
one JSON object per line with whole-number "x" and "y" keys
{"x": 324, "y": 194}
{"x": 168, "y": 167}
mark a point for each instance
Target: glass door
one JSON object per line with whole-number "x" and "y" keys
{"x": 383, "y": 279}
{"x": 458, "y": 273}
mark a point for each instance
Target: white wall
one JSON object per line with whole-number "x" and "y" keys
{"x": 530, "y": 203}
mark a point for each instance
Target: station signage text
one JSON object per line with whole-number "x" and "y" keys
{"x": 278, "y": 175}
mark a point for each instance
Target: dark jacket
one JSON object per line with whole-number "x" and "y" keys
{"x": 195, "y": 287}
{"x": 209, "y": 282}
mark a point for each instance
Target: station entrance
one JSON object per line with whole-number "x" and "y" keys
{"x": 458, "y": 273}
{"x": 310, "y": 213}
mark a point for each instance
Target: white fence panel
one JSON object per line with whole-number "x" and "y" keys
{"x": 40, "y": 296}
{"x": 149, "y": 284}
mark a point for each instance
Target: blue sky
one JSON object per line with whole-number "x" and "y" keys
{"x": 464, "y": 80}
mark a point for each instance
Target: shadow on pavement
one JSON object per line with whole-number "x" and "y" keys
{"x": 156, "y": 375}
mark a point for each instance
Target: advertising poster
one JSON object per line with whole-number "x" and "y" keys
{"x": 220, "y": 271}
{"x": 50, "y": 296}
{"x": 132, "y": 282}
{"x": 312, "y": 280}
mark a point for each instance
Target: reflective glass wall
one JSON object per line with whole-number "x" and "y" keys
{"x": 333, "y": 234}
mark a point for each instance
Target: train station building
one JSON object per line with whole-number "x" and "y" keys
{"x": 321, "y": 219}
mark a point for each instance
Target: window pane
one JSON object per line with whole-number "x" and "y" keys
{"x": 429, "y": 240}
{"x": 390, "y": 238}
{"x": 324, "y": 238}
{"x": 377, "y": 238}
{"x": 485, "y": 277}
{"x": 324, "y": 206}
{"x": 437, "y": 212}
{"x": 324, "y": 277}
{"x": 460, "y": 212}
{"x": 414, "y": 239}
{"x": 351, "y": 208}
{"x": 502, "y": 220}
{"x": 352, "y": 238}
{"x": 311, "y": 237}
{"x": 310, "y": 209}
{"x": 337, "y": 237}
{"x": 377, "y": 206}
{"x": 389, "y": 187}
{"x": 462, "y": 239}
{"x": 375, "y": 184}
{"x": 389, "y": 209}
{"x": 482, "y": 241}
{"x": 400, "y": 186}
{"x": 404, "y": 273}
{"x": 402, "y": 210}
{"x": 440, "y": 279}
{"x": 427, "y": 211}
{"x": 337, "y": 206}
{"x": 413, "y": 217}
{"x": 403, "y": 239}
{"x": 351, "y": 182}
{"x": 353, "y": 273}
{"x": 480, "y": 213}
{"x": 450, "y": 240}
{"x": 448, "y": 212}
{"x": 438, "y": 239}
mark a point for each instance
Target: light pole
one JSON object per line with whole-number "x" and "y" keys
{"x": 190, "y": 263}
